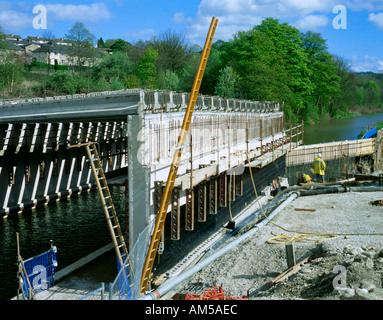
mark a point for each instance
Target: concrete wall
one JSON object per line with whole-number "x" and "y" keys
{"x": 218, "y": 141}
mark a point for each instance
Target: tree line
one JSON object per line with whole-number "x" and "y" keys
{"x": 272, "y": 61}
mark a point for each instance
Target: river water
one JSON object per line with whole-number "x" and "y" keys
{"x": 76, "y": 232}
{"x": 76, "y": 226}
{"x": 339, "y": 129}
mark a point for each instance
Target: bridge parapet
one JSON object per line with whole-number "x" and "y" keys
{"x": 118, "y": 104}
{"x": 167, "y": 101}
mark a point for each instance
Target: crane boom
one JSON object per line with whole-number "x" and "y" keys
{"x": 165, "y": 200}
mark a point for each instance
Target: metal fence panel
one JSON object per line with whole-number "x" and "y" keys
{"x": 126, "y": 285}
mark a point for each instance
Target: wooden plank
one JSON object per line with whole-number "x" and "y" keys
{"x": 290, "y": 271}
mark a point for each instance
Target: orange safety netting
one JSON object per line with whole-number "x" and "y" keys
{"x": 214, "y": 293}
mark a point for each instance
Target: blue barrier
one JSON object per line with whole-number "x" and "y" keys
{"x": 40, "y": 271}
{"x": 370, "y": 134}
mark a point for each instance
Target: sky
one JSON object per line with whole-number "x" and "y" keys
{"x": 353, "y": 28}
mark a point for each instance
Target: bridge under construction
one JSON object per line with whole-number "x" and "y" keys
{"x": 137, "y": 136}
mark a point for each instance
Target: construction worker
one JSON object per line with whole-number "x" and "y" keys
{"x": 319, "y": 168}
{"x": 306, "y": 178}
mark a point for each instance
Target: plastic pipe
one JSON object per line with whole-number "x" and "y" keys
{"x": 327, "y": 190}
{"x": 167, "y": 286}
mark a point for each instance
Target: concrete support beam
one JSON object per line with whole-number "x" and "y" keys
{"x": 175, "y": 215}
{"x": 189, "y": 210}
{"x": 138, "y": 177}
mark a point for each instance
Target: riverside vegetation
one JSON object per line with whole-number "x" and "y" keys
{"x": 271, "y": 61}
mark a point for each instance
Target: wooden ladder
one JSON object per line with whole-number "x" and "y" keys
{"x": 165, "y": 200}
{"x": 106, "y": 200}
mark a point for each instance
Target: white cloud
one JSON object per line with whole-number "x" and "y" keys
{"x": 236, "y": 15}
{"x": 377, "y": 19}
{"x": 16, "y": 16}
{"x": 359, "y": 5}
{"x": 366, "y": 63}
{"x": 180, "y": 18}
{"x": 69, "y": 12}
{"x": 308, "y": 7}
{"x": 312, "y": 22}
{"x": 14, "y": 20}
{"x": 144, "y": 33}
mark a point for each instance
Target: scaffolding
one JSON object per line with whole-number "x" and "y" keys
{"x": 340, "y": 157}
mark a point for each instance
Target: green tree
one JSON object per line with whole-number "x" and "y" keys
{"x": 324, "y": 78}
{"x": 3, "y": 44}
{"x": 288, "y": 44}
{"x": 132, "y": 81}
{"x": 136, "y": 51}
{"x": 61, "y": 83}
{"x": 173, "y": 50}
{"x": 226, "y": 83}
{"x": 189, "y": 72}
{"x": 11, "y": 66}
{"x": 120, "y": 45}
{"x": 213, "y": 68}
{"x": 372, "y": 93}
{"x": 82, "y": 49}
{"x": 114, "y": 66}
{"x": 168, "y": 80}
{"x": 100, "y": 43}
{"x": 348, "y": 96}
{"x": 147, "y": 70}
{"x": 261, "y": 73}
{"x": 10, "y": 73}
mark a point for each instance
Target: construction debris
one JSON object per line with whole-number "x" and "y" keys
{"x": 355, "y": 273}
{"x": 377, "y": 203}
{"x": 356, "y": 252}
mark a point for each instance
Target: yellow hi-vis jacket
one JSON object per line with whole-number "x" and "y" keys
{"x": 306, "y": 178}
{"x": 319, "y": 166}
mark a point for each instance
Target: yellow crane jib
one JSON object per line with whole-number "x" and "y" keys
{"x": 165, "y": 200}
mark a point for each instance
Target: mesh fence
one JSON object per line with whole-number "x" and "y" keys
{"x": 126, "y": 285}
{"x": 38, "y": 273}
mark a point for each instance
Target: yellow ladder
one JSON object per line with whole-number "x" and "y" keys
{"x": 165, "y": 200}
{"x": 106, "y": 200}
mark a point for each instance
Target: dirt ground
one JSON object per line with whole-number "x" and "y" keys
{"x": 346, "y": 266}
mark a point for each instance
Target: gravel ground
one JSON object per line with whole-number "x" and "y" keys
{"x": 248, "y": 268}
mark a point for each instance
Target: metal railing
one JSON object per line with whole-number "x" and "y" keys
{"x": 95, "y": 292}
